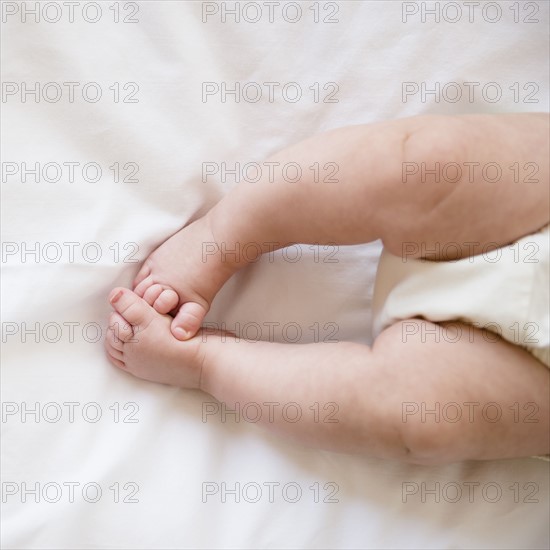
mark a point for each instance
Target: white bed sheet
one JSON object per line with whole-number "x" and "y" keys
{"x": 170, "y": 452}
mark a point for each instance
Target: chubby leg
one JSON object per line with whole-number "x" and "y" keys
{"x": 377, "y": 401}
{"x": 348, "y": 397}
{"x": 415, "y": 183}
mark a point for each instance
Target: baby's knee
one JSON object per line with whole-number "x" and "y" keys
{"x": 435, "y": 139}
{"x": 420, "y": 433}
{"x": 433, "y": 152}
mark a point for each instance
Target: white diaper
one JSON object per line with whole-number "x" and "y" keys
{"x": 505, "y": 290}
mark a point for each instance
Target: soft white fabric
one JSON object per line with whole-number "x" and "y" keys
{"x": 504, "y": 290}
{"x": 170, "y": 452}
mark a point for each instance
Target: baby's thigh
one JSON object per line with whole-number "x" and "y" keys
{"x": 483, "y": 202}
{"x": 463, "y": 393}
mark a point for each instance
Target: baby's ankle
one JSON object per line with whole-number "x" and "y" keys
{"x": 224, "y": 248}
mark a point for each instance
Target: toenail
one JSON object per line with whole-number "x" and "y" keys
{"x": 116, "y": 297}
{"x": 181, "y": 332}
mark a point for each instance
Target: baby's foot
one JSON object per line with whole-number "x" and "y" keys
{"x": 182, "y": 277}
{"x": 139, "y": 341}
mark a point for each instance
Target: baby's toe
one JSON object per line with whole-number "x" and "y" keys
{"x": 120, "y": 331}
{"x": 143, "y": 286}
{"x": 162, "y": 298}
{"x": 132, "y": 308}
{"x": 152, "y": 293}
{"x": 114, "y": 355}
{"x": 167, "y": 301}
{"x": 188, "y": 320}
{"x": 144, "y": 272}
{"x": 116, "y": 362}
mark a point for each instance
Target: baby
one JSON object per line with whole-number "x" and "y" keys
{"x": 378, "y": 195}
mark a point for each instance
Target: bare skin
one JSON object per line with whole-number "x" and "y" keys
{"x": 374, "y": 198}
{"x": 371, "y": 200}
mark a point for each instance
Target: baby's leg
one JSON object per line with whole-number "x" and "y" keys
{"x": 396, "y": 181}
{"x": 461, "y": 179}
{"x": 422, "y": 396}
{"x": 353, "y": 398}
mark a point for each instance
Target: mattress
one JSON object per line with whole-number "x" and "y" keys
{"x": 123, "y": 121}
